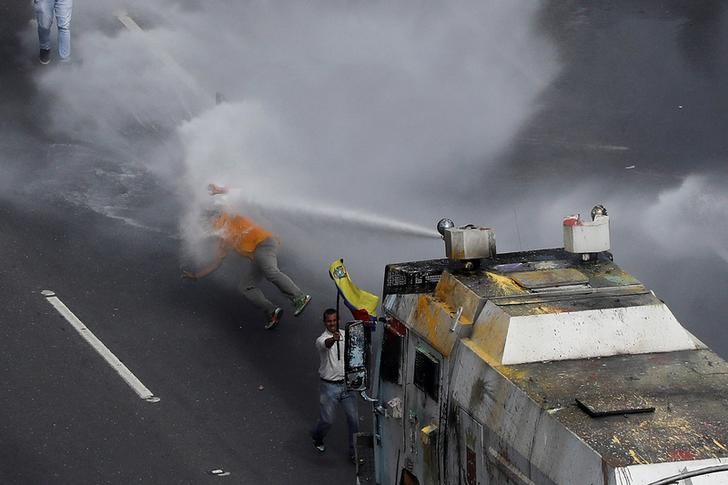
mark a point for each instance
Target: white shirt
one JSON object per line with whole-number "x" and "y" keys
{"x": 332, "y": 361}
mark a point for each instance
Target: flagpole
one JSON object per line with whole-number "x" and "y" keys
{"x": 338, "y": 297}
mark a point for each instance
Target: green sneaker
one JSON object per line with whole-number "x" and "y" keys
{"x": 299, "y": 303}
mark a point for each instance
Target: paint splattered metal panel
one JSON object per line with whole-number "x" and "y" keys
{"x": 688, "y": 391}
{"x": 525, "y": 271}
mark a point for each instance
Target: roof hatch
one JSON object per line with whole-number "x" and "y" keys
{"x": 534, "y": 280}
{"x": 608, "y": 404}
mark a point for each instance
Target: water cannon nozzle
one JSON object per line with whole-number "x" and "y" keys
{"x": 444, "y": 224}
{"x": 598, "y": 210}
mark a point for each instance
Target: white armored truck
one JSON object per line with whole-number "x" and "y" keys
{"x": 542, "y": 367}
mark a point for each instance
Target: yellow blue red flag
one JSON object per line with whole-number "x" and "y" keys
{"x": 362, "y": 304}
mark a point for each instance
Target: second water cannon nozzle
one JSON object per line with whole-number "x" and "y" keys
{"x": 598, "y": 211}
{"x": 587, "y": 237}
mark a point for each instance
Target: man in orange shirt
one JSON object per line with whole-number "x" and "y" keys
{"x": 242, "y": 235}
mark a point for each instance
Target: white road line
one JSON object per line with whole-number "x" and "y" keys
{"x": 99, "y": 346}
{"x": 180, "y": 74}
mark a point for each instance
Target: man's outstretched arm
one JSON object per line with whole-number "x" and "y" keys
{"x": 222, "y": 251}
{"x": 217, "y": 189}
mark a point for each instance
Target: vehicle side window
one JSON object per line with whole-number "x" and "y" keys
{"x": 471, "y": 471}
{"x": 427, "y": 374}
{"x": 391, "y": 361}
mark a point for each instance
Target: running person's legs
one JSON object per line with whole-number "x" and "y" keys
{"x": 265, "y": 258}
{"x": 249, "y": 288}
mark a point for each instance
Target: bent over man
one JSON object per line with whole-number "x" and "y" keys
{"x": 243, "y": 236}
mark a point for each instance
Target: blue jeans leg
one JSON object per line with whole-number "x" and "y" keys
{"x": 64, "y": 8}
{"x": 44, "y": 17}
{"x": 45, "y": 10}
{"x": 328, "y": 394}
{"x": 348, "y": 401}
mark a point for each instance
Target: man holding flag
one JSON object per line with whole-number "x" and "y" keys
{"x": 330, "y": 344}
{"x": 332, "y": 388}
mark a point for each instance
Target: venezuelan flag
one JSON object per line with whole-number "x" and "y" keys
{"x": 362, "y": 304}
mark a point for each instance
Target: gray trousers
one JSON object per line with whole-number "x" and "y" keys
{"x": 265, "y": 264}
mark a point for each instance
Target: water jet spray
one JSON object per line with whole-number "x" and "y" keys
{"x": 363, "y": 219}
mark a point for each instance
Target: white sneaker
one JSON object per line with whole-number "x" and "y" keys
{"x": 275, "y": 318}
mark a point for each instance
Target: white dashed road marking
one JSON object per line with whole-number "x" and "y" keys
{"x": 180, "y": 74}
{"x": 99, "y": 347}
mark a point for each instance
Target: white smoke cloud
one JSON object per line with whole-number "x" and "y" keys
{"x": 678, "y": 221}
{"x": 690, "y": 219}
{"x": 334, "y": 114}
{"x": 340, "y": 121}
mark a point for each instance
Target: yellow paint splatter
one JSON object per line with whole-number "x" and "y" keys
{"x": 720, "y": 445}
{"x": 505, "y": 284}
{"x": 637, "y": 458}
{"x": 543, "y": 309}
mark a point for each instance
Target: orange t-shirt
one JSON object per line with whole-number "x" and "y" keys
{"x": 241, "y": 233}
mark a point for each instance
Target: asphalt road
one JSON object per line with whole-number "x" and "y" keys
{"x": 232, "y": 395}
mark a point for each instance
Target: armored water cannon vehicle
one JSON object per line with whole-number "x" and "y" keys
{"x": 543, "y": 367}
